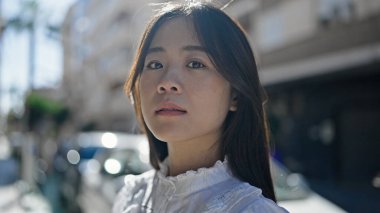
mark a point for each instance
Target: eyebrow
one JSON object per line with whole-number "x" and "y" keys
{"x": 194, "y": 48}
{"x": 155, "y": 49}
{"x": 185, "y": 48}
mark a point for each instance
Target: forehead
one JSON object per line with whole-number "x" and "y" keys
{"x": 176, "y": 31}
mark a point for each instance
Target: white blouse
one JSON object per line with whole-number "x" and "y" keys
{"x": 212, "y": 189}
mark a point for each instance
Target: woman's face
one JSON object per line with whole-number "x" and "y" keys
{"x": 183, "y": 97}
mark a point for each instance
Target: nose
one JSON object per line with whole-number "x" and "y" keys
{"x": 169, "y": 84}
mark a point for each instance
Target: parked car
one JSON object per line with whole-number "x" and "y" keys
{"x": 100, "y": 158}
{"x": 104, "y": 166}
{"x": 293, "y": 193}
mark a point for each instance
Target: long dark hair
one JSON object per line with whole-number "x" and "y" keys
{"x": 245, "y": 136}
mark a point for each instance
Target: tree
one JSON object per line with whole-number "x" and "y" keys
{"x": 41, "y": 109}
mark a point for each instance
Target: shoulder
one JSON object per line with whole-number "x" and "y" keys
{"x": 263, "y": 205}
{"x": 133, "y": 189}
{"x": 244, "y": 198}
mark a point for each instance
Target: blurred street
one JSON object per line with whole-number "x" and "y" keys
{"x": 349, "y": 196}
{"x": 69, "y": 134}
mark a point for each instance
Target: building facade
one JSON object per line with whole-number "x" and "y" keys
{"x": 320, "y": 64}
{"x": 99, "y": 40}
{"x": 319, "y": 61}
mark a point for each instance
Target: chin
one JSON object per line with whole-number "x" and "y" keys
{"x": 167, "y": 133}
{"x": 166, "y": 138}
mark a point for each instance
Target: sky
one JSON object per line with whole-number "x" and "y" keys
{"x": 14, "y": 48}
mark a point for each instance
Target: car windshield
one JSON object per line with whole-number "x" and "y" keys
{"x": 288, "y": 186}
{"x": 124, "y": 161}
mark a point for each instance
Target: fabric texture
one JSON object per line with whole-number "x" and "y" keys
{"x": 209, "y": 190}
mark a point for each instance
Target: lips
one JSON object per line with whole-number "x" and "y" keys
{"x": 169, "y": 109}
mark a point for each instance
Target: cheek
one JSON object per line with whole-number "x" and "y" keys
{"x": 224, "y": 102}
{"x": 217, "y": 96}
{"x": 222, "y": 91}
{"x": 142, "y": 83}
{"x": 146, "y": 85}
{"x": 145, "y": 89}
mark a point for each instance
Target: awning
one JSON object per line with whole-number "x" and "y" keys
{"x": 320, "y": 65}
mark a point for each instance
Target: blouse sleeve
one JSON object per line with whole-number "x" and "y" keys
{"x": 121, "y": 201}
{"x": 264, "y": 205}
{"x": 131, "y": 196}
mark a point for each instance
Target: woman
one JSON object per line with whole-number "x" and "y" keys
{"x": 197, "y": 94}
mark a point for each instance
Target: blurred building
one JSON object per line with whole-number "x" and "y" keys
{"x": 320, "y": 63}
{"x": 99, "y": 40}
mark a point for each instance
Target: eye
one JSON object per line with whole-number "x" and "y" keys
{"x": 195, "y": 65}
{"x": 154, "y": 65}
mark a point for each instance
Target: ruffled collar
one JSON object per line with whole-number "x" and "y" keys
{"x": 194, "y": 180}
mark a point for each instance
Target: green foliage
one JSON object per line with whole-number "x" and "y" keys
{"x": 40, "y": 108}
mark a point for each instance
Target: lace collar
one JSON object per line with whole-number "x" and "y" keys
{"x": 192, "y": 180}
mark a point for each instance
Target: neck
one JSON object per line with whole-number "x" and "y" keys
{"x": 186, "y": 156}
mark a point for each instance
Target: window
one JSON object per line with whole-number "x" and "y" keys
{"x": 335, "y": 11}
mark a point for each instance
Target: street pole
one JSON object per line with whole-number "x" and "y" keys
{"x": 32, "y": 48}
{"x": 2, "y": 27}
{"x": 29, "y": 161}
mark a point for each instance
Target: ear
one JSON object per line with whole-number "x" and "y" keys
{"x": 233, "y": 102}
